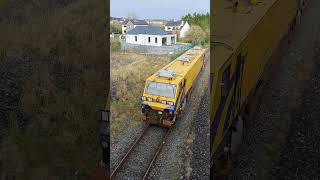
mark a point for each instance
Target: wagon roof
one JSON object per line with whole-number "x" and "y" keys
{"x": 230, "y": 28}
{"x": 178, "y": 67}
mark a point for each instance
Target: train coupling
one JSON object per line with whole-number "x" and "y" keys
{"x": 167, "y": 123}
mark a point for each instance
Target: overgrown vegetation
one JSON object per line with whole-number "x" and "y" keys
{"x": 196, "y": 35}
{"x": 128, "y": 74}
{"x": 64, "y": 42}
{"x": 115, "y": 28}
{"x": 115, "y": 45}
{"x": 201, "y": 23}
{"x": 202, "y": 20}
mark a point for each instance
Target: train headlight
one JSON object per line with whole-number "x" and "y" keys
{"x": 170, "y": 103}
{"x": 149, "y": 99}
{"x": 143, "y": 98}
{"x": 164, "y": 102}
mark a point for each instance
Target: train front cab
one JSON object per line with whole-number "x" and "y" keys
{"x": 162, "y": 101}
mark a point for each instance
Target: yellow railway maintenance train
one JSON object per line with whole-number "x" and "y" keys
{"x": 165, "y": 93}
{"x": 243, "y": 40}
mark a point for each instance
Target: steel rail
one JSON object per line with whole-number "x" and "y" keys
{"x": 163, "y": 141}
{"x": 124, "y": 159}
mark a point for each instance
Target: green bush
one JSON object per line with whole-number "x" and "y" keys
{"x": 115, "y": 28}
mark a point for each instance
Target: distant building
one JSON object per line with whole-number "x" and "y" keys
{"x": 150, "y": 36}
{"x": 173, "y": 25}
{"x": 180, "y": 26}
{"x": 114, "y": 20}
{"x": 157, "y": 22}
{"x": 130, "y": 24}
{"x": 183, "y": 31}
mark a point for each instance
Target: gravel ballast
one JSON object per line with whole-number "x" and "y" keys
{"x": 138, "y": 161}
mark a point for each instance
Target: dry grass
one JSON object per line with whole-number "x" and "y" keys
{"x": 128, "y": 74}
{"x": 65, "y": 45}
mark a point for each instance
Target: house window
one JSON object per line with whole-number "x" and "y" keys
{"x": 136, "y": 38}
{"x": 156, "y": 40}
{"x": 149, "y": 39}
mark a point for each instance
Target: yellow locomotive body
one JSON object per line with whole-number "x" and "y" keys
{"x": 242, "y": 44}
{"x": 165, "y": 91}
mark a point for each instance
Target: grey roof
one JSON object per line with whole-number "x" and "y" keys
{"x": 173, "y": 23}
{"x": 152, "y": 30}
{"x": 125, "y": 22}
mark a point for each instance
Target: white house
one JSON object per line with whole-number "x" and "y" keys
{"x": 130, "y": 24}
{"x": 183, "y": 31}
{"x": 150, "y": 36}
{"x": 173, "y": 25}
{"x": 181, "y": 26}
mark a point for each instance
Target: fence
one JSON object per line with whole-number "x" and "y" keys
{"x": 158, "y": 50}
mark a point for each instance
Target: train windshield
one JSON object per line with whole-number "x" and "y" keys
{"x": 161, "y": 89}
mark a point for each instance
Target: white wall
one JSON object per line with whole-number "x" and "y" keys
{"x": 184, "y": 30}
{"x": 168, "y": 28}
{"x": 139, "y": 25}
{"x": 124, "y": 27}
{"x": 142, "y": 39}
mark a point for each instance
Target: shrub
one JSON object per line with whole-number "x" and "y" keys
{"x": 115, "y": 46}
{"x": 115, "y": 28}
{"x": 196, "y": 35}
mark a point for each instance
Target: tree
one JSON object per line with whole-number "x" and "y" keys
{"x": 196, "y": 35}
{"x": 177, "y": 32}
{"x": 202, "y": 20}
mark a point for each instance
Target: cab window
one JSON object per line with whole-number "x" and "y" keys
{"x": 161, "y": 89}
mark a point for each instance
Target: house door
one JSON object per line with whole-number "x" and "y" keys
{"x": 173, "y": 39}
{"x": 164, "y": 41}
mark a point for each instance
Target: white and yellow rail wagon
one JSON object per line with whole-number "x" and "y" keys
{"x": 165, "y": 93}
{"x": 243, "y": 40}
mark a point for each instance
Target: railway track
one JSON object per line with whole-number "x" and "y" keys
{"x": 143, "y": 172}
